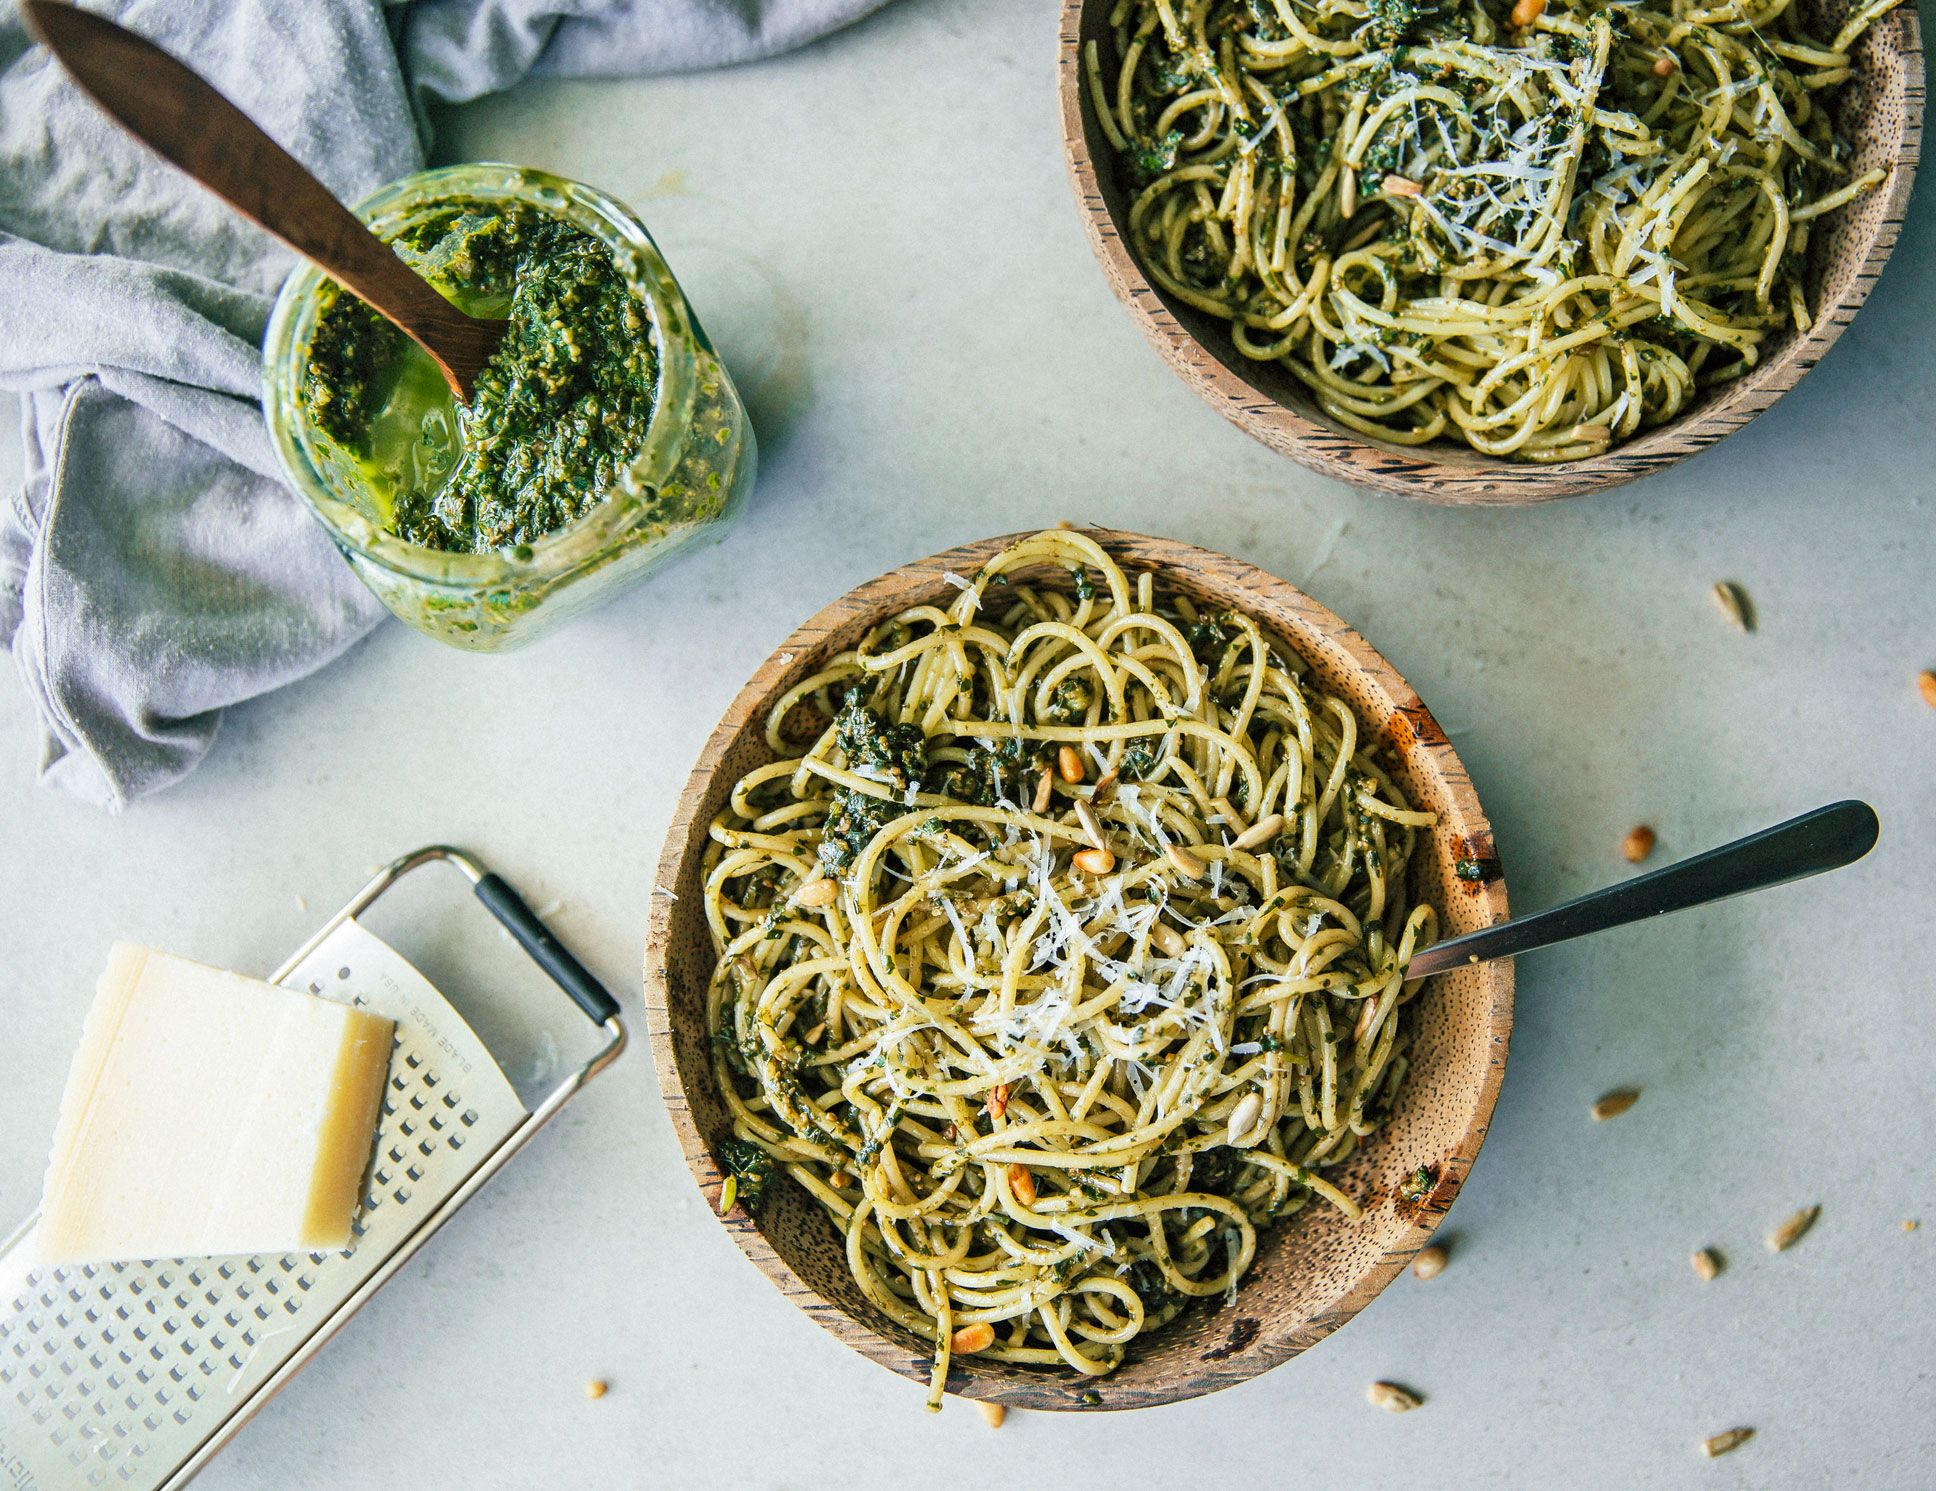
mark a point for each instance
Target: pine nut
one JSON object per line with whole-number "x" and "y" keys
{"x": 1638, "y": 844}
{"x": 1260, "y": 832}
{"x": 1391, "y": 1397}
{"x": 1735, "y": 605}
{"x": 1069, "y": 763}
{"x": 595, "y": 1389}
{"x": 972, "y": 1338}
{"x": 1095, "y": 861}
{"x": 1429, "y": 1263}
{"x": 1021, "y": 1180}
{"x": 997, "y": 1103}
{"x": 1707, "y": 1263}
{"x": 1525, "y": 12}
{"x": 1106, "y": 784}
{"x": 994, "y": 1413}
{"x": 1086, "y": 816}
{"x": 1044, "y": 790}
{"x": 1243, "y": 1118}
{"x": 1720, "y": 1444}
{"x": 1168, "y": 940}
{"x": 1615, "y": 1103}
{"x": 1790, "y": 1232}
{"x": 812, "y": 1037}
{"x": 822, "y": 892}
{"x": 1187, "y": 864}
{"x": 1400, "y": 186}
{"x": 1926, "y": 686}
{"x": 1665, "y": 67}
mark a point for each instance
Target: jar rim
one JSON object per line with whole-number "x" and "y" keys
{"x": 637, "y": 258}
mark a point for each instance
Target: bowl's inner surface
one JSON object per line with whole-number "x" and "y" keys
{"x": 1874, "y": 113}
{"x": 1313, "y": 1270}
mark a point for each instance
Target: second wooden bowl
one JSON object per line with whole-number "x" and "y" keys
{"x": 1880, "y": 115}
{"x": 1315, "y": 1271}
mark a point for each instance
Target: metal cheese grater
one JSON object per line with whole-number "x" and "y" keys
{"x": 135, "y": 1375}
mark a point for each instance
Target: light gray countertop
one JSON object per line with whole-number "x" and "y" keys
{"x": 879, "y": 235}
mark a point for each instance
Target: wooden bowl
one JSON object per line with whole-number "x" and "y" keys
{"x": 1881, "y": 116}
{"x": 1316, "y": 1270}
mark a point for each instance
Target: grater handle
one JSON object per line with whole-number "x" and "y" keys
{"x": 546, "y": 950}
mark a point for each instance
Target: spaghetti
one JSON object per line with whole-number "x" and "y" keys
{"x": 1064, "y": 958}
{"x": 1536, "y": 232}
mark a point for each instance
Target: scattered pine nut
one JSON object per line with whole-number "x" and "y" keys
{"x": 1168, "y": 940}
{"x": 1926, "y": 686}
{"x": 595, "y": 1389}
{"x": 1044, "y": 790}
{"x": 728, "y": 1194}
{"x": 1243, "y": 1118}
{"x": 1086, "y": 816}
{"x": 1261, "y": 832}
{"x": 1707, "y": 1263}
{"x": 812, "y": 1037}
{"x": 1735, "y": 605}
{"x": 1597, "y": 434}
{"x": 1187, "y": 864}
{"x": 997, "y": 1103}
{"x": 994, "y": 1413}
{"x": 1908, "y": 1224}
{"x": 1665, "y": 67}
{"x": 1615, "y": 1103}
{"x": 1021, "y": 1180}
{"x": 1095, "y": 861}
{"x": 840, "y": 1180}
{"x": 1790, "y": 1232}
{"x": 1525, "y": 12}
{"x": 1105, "y": 786}
{"x": 822, "y": 892}
{"x": 1391, "y": 1397}
{"x": 1395, "y": 185}
{"x": 1720, "y": 1444}
{"x": 972, "y": 1338}
{"x": 1638, "y": 844}
{"x": 1430, "y": 1262}
{"x": 1069, "y": 763}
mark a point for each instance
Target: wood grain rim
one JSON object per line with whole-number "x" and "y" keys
{"x": 1310, "y": 628}
{"x": 1891, "y": 53}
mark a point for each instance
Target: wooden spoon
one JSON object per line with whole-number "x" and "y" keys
{"x": 184, "y": 120}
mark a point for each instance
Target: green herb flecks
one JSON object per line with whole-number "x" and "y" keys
{"x": 558, "y": 414}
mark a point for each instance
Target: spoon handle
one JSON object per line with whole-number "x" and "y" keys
{"x": 1825, "y": 839}
{"x": 183, "y": 119}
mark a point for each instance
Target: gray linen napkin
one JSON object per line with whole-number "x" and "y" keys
{"x": 153, "y": 569}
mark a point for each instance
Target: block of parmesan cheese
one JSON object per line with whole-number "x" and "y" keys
{"x": 209, "y": 1113}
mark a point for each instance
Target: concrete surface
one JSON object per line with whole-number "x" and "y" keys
{"x": 879, "y": 235}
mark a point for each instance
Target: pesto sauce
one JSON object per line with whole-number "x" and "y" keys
{"x": 559, "y": 412}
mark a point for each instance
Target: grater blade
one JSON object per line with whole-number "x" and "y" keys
{"x": 115, "y": 1375}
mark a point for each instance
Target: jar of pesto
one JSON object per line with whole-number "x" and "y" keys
{"x": 603, "y": 436}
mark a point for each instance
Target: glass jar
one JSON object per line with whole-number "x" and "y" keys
{"x": 696, "y": 460}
